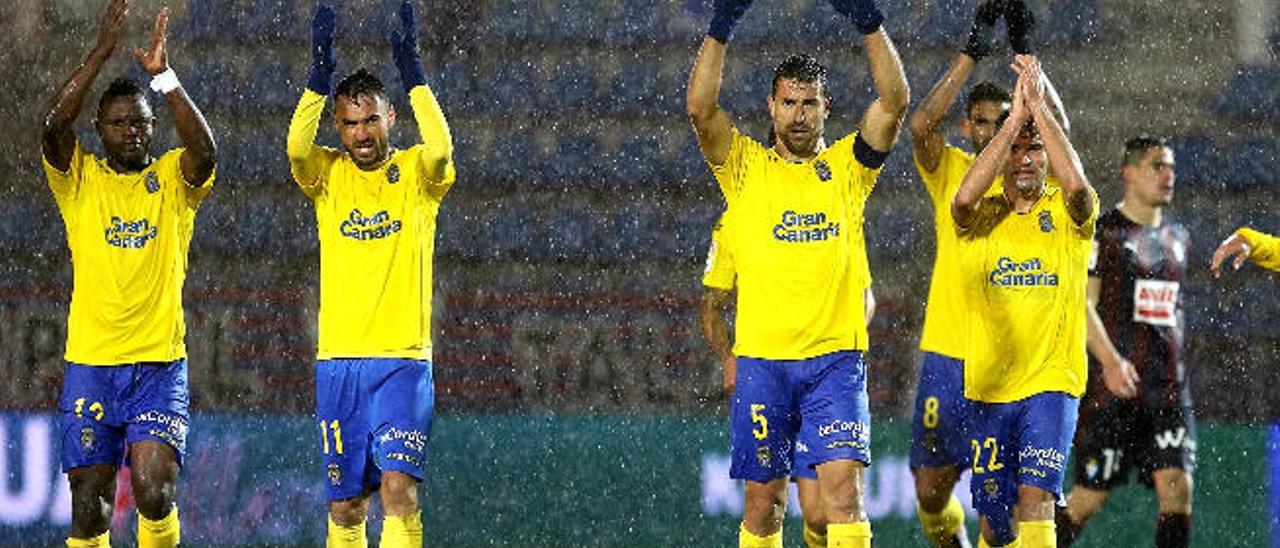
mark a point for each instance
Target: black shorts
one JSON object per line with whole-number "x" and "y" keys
{"x": 1125, "y": 435}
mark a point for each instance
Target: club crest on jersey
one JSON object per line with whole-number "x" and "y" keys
{"x": 152, "y": 182}
{"x": 822, "y": 170}
{"x": 1046, "y": 221}
{"x": 393, "y": 173}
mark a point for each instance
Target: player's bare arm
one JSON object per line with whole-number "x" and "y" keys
{"x": 925, "y": 125}
{"x": 869, "y": 300}
{"x": 711, "y": 314}
{"x": 710, "y": 122}
{"x": 200, "y": 153}
{"x": 1247, "y": 244}
{"x": 1050, "y": 94}
{"x": 432, "y": 126}
{"x": 1062, "y": 156}
{"x": 1119, "y": 373}
{"x": 964, "y": 206}
{"x": 883, "y": 119}
{"x": 57, "y": 139}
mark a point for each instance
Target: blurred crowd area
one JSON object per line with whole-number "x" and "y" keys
{"x": 570, "y": 250}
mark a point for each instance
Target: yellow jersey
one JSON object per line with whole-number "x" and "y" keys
{"x": 798, "y": 246}
{"x": 944, "y": 314}
{"x": 1024, "y": 277}
{"x": 1266, "y": 248}
{"x": 129, "y": 234}
{"x": 719, "y": 272}
{"x": 377, "y": 235}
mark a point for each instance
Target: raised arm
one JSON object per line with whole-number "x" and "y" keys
{"x": 927, "y": 140}
{"x": 200, "y": 153}
{"x": 306, "y": 166}
{"x": 976, "y": 182}
{"x": 58, "y": 139}
{"x": 883, "y": 119}
{"x": 710, "y": 122}
{"x": 1247, "y": 244}
{"x": 432, "y": 126}
{"x": 1062, "y": 156}
{"x": 715, "y": 302}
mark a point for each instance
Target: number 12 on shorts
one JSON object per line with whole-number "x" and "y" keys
{"x": 337, "y": 435}
{"x": 992, "y": 464}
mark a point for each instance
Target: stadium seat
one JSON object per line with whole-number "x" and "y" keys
{"x": 1197, "y": 159}
{"x": 1250, "y": 163}
{"x": 1075, "y": 24}
{"x": 945, "y": 24}
{"x": 1253, "y": 91}
{"x": 746, "y": 94}
{"x": 454, "y": 85}
{"x": 509, "y": 229}
{"x": 573, "y": 88}
{"x": 575, "y": 22}
{"x": 638, "y": 161}
{"x": 211, "y": 84}
{"x": 514, "y": 157}
{"x": 514, "y": 22}
{"x": 272, "y": 87}
{"x": 765, "y": 22}
{"x": 635, "y": 23}
{"x": 576, "y": 160}
{"x": 514, "y": 87}
{"x": 638, "y": 90}
{"x": 268, "y": 21}
{"x": 209, "y": 20}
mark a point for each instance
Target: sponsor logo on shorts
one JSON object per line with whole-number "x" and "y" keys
{"x": 172, "y": 428}
{"x": 1175, "y": 439}
{"x": 1042, "y": 457}
{"x": 1091, "y": 468}
{"x": 335, "y": 474}
{"x": 1028, "y": 273}
{"x": 991, "y": 487}
{"x": 859, "y": 434}
{"x": 130, "y": 234}
{"x": 358, "y": 226}
{"x": 86, "y": 438}
{"x": 414, "y": 440}
{"x": 764, "y": 455}
{"x": 795, "y": 227}
{"x": 405, "y": 458}
{"x": 801, "y": 447}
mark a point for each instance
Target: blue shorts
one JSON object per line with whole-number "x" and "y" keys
{"x": 939, "y": 427}
{"x": 374, "y": 416}
{"x": 104, "y": 409}
{"x": 790, "y": 415}
{"x": 1019, "y": 443}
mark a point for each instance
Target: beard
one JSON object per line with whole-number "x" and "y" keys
{"x": 799, "y": 147}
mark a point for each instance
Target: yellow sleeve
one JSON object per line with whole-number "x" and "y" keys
{"x": 935, "y": 182}
{"x": 720, "y": 272}
{"x": 169, "y": 168}
{"x": 65, "y": 184}
{"x": 1086, "y": 229}
{"x": 437, "y": 149}
{"x": 308, "y": 163}
{"x": 1265, "y": 248}
{"x": 729, "y": 175}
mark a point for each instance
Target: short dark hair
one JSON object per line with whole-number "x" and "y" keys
{"x": 120, "y": 87}
{"x": 1029, "y": 125}
{"x": 983, "y": 92}
{"x": 1137, "y": 146}
{"x": 360, "y": 82}
{"x": 801, "y": 68}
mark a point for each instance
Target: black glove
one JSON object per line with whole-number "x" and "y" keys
{"x": 982, "y": 34}
{"x": 1020, "y": 22}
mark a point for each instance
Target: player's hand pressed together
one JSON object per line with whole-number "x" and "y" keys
{"x": 404, "y": 47}
{"x": 1235, "y": 249}
{"x": 324, "y": 62}
{"x": 982, "y": 34}
{"x": 1030, "y": 76}
{"x": 726, "y": 14}
{"x": 866, "y": 17}
{"x": 1121, "y": 379}
{"x": 1020, "y": 22}
{"x": 155, "y": 60}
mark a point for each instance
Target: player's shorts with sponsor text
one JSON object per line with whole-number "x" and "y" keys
{"x": 1125, "y": 435}
{"x": 1025, "y": 442}
{"x": 374, "y": 416}
{"x": 796, "y": 414}
{"x": 940, "y": 422}
{"x": 103, "y": 409}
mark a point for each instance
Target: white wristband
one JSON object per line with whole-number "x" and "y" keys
{"x": 165, "y": 81}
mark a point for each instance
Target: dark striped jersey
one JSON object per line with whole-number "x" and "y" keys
{"x": 1141, "y": 269}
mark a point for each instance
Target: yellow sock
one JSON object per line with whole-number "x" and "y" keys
{"x": 849, "y": 535}
{"x": 165, "y": 532}
{"x": 814, "y": 539}
{"x": 748, "y": 540}
{"x": 1038, "y": 534}
{"x": 943, "y": 525}
{"x": 402, "y": 531}
{"x": 346, "y": 536}
{"x": 100, "y": 541}
{"x": 1016, "y": 542}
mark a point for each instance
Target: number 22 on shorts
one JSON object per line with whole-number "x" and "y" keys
{"x": 762, "y": 431}
{"x": 993, "y": 463}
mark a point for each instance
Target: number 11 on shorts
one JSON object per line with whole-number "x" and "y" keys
{"x": 337, "y": 435}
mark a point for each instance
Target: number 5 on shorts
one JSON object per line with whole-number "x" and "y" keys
{"x": 763, "y": 431}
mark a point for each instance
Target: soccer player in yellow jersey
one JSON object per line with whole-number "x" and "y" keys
{"x": 939, "y": 444}
{"x": 797, "y": 210}
{"x": 376, "y": 212}
{"x": 129, "y": 218}
{"x": 718, "y": 281}
{"x": 1247, "y": 244}
{"x": 1024, "y": 257}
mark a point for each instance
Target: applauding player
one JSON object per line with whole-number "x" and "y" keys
{"x": 1024, "y": 254}
{"x": 1137, "y": 410}
{"x": 797, "y": 209}
{"x": 129, "y": 219}
{"x": 1247, "y": 243}
{"x": 376, "y": 214}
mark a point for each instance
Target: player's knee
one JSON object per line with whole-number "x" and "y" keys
{"x": 1035, "y": 504}
{"x": 154, "y": 479}
{"x": 1173, "y": 489}
{"x": 933, "y": 489}
{"x": 399, "y": 494}
{"x": 92, "y": 499}
{"x": 349, "y": 512}
{"x": 1083, "y": 503}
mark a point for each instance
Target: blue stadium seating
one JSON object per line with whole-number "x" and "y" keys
{"x": 635, "y": 230}
{"x": 514, "y": 87}
{"x": 1253, "y": 91}
{"x": 765, "y": 22}
{"x": 208, "y": 20}
{"x": 272, "y": 87}
{"x": 1197, "y": 159}
{"x": 638, "y": 90}
{"x": 514, "y": 22}
{"x": 573, "y": 87}
{"x": 1076, "y": 23}
{"x": 576, "y": 160}
{"x": 514, "y": 157}
{"x": 455, "y": 86}
{"x": 276, "y": 21}
{"x": 945, "y": 24}
{"x": 509, "y": 229}
{"x": 211, "y": 84}
{"x": 745, "y": 95}
{"x": 637, "y": 23}
{"x": 575, "y": 22}
{"x": 1250, "y": 163}
{"x": 638, "y": 161}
